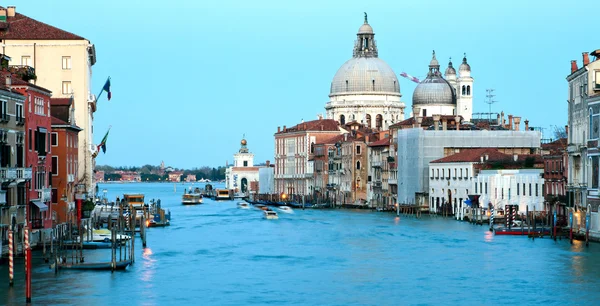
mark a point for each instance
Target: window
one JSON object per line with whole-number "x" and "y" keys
{"x": 26, "y": 60}
{"x": 468, "y": 90}
{"x": 54, "y": 139}
{"x": 54, "y": 165}
{"x": 486, "y": 188}
{"x": 475, "y": 188}
{"x": 40, "y": 141}
{"x": 54, "y": 196}
{"x": 358, "y": 165}
{"x": 424, "y": 113}
{"x": 518, "y": 188}
{"x": 20, "y": 116}
{"x": 357, "y": 150}
{"x": 30, "y": 139}
{"x": 529, "y": 189}
{"x": 245, "y": 163}
{"x": 66, "y": 87}
{"x": 342, "y": 120}
{"x": 39, "y": 105}
{"x": 66, "y": 63}
{"x": 536, "y": 189}
{"x": 3, "y": 111}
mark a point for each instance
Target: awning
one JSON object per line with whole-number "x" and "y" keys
{"x": 40, "y": 205}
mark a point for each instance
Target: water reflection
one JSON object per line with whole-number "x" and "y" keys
{"x": 488, "y": 236}
{"x": 149, "y": 265}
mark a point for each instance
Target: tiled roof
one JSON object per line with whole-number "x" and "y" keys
{"x": 474, "y": 155}
{"x": 56, "y": 121}
{"x": 559, "y": 143}
{"x": 21, "y": 27}
{"x": 15, "y": 80}
{"x": 60, "y": 101}
{"x": 315, "y": 125}
{"x": 333, "y": 139}
{"x": 380, "y": 143}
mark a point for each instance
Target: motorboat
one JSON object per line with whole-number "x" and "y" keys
{"x": 104, "y": 235}
{"x": 270, "y": 214}
{"x": 191, "y": 199}
{"x": 243, "y": 205}
{"x": 286, "y": 209}
{"x": 261, "y": 207}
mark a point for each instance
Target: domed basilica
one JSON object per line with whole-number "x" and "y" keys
{"x": 365, "y": 89}
{"x": 451, "y": 95}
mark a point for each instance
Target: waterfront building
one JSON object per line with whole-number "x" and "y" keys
{"x": 555, "y": 175}
{"x": 190, "y": 178}
{"x": 131, "y": 176}
{"x": 455, "y": 178}
{"x": 293, "y": 146}
{"x": 266, "y": 179}
{"x": 175, "y": 176}
{"x": 240, "y": 176}
{"x": 378, "y": 191}
{"x": 324, "y": 150}
{"x": 99, "y": 176}
{"x": 450, "y": 96}
{"x": 419, "y": 147}
{"x": 63, "y": 64}
{"x": 365, "y": 88}
{"x": 64, "y": 140}
{"x": 14, "y": 174}
{"x": 349, "y": 169}
{"x": 35, "y": 116}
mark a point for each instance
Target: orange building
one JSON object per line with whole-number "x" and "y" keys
{"x": 175, "y": 176}
{"x": 64, "y": 140}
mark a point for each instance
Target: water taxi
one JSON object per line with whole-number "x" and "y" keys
{"x": 191, "y": 199}
{"x": 243, "y": 205}
{"x": 286, "y": 209}
{"x": 270, "y": 214}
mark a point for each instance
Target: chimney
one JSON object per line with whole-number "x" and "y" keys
{"x": 12, "y": 10}
{"x": 497, "y": 119}
{"x": 346, "y": 137}
{"x": 278, "y": 129}
{"x": 510, "y": 122}
{"x": 367, "y": 139}
{"x": 284, "y": 128}
{"x": 436, "y": 121}
{"x": 586, "y": 57}
{"x": 8, "y": 80}
{"x": 503, "y": 121}
{"x": 515, "y": 157}
{"x": 444, "y": 124}
{"x": 573, "y": 66}
{"x": 481, "y": 158}
{"x": 3, "y": 14}
{"x": 457, "y": 122}
{"x": 567, "y": 130}
{"x": 487, "y": 157}
{"x": 526, "y": 125}
{"x": 268, "y": 163}
{"x": 320, "y": 116}
{"x": 517, "y": 122}
{"x": 417, "y": 112}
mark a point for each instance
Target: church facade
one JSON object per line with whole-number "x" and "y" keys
{"x": 242, "y": 175}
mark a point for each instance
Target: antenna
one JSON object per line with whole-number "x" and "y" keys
{"x": 489, "y": 99}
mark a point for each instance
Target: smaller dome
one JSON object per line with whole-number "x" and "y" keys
{"x": 464, "y": 66}
{"x": 450, "y": 70}
{"x": 365, "y": 29}
{"x": 244, "y": 142}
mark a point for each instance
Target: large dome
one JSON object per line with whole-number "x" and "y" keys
{"x": 434, "y": 90}
{"x": 365, "y": 75}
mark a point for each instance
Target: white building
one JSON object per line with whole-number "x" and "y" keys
{"x": 445, "y": 96}
{"x": 240, "y": 176}
{"x": 365, "y": 89}
{"x": 457, "y": 177}
{"x": 418, "y": 147}
{"x": 63, "y": 64}
{"x": 266, "y": 180}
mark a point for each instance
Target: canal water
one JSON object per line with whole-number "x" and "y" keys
{"x": 217, "y": 254}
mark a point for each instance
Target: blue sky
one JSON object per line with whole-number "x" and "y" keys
{"x": 189, "y": 78}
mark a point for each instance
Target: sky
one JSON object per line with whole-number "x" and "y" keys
{"x": 189, "y": 79}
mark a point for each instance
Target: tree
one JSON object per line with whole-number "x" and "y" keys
{"x": 560, "y": 132}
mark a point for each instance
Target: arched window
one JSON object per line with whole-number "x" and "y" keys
{"x": 468, "y": 90}
{"x": 342, "y": 119}
{"x": 424, "y": 113}
{"x": 346, "y": 85}
{"x": 379, "y": 121}
{"x": 358, "y": 185}
{"x": 373, "y": 85}
{"x": 353, "y": 117}
{"x": 312, "y": 148}
{"x": 368, "y": 120}
{"x": 464, "y": 90}
{"x": 358, "y": 165}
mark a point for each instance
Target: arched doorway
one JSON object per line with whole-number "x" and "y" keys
{"x": 244, "y": 185}
{"x": 368, "y": 121}
{"x": 342, "y": 119}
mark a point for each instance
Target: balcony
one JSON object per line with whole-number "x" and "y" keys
{"x": 393, "y": 181}
{"x": 25, "y": 73}
{"x": 15, "y": 173}
{"x": 376, "y": 164}
{"x": 377, "y": 184}
{"x": 20, "y": 121}
{"x": 574, "y": 149}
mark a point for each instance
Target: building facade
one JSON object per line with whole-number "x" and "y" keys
{"x": 63, "y": 64}
{"x": 293, "y": 146}
{"x": 365, "y": 89}
{"x": 36, "y": 112}
{"x": 14, "y": 175}
{"x": 65, "y": 150}
{"x": 378, "y": 191}
{"x": 243, "y": 173}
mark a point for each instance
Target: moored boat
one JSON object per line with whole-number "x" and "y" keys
{"x": 224, "y": 194}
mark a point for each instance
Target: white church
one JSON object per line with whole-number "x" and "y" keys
{"x": 242, "y": 173}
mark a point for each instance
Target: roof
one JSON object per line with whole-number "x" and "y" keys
{"x": 21, "y": 27}
{"x": 333, "y": 139}
{"x": 315, "y": 125}
{"x": 60, "y": 101}
{"x": 493, "y": 155}
{"x": 427, "y": 121}
{"x": 56, "y": 121}
{"x": 380, "y": 143}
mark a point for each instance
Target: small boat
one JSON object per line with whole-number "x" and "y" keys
{"x": 261, "y": 207}
{"x": 104, "y": 235}
{"x": 243, "y": 205}
{"x": 191, "y": 199}
{"x": 270, "y": 214}
{"x": 224, "y": 194}
{"x": 286, "y": 209}
{"x": 119, "y": 265}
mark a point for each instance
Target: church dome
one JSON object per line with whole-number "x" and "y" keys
{"x": 365, "y": 75}
{"x": 365, "y": 29}
{"x": 434, "y": 89}
{"x": 464, "y": 66}
{"x": 450, "y": 70}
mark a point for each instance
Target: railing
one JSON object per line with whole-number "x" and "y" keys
{"x": 36, "y": 223}
{"x": 15, "y": 173}
{"x": 24, "y": 72}
{"x": 376, "y": 164}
